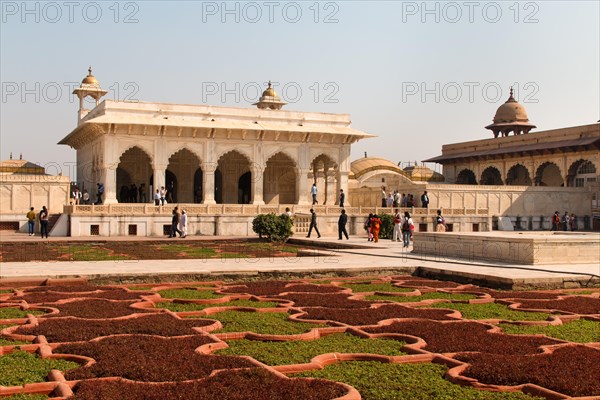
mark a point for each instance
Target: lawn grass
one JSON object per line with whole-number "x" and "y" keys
{"x": 233, "y": 255}
{"x": 90, "y": 252}
{"x": 15, "y": 312}
{"x": 270, "y": 246}
{"x": 22, "y": 396}
{"x": 384, "y": 381}
{"x": 188, "y": 294}
{"x": 20, "y": 367}
{"x": 375, "y": 287}
{"x": 191, "y": 250}
{"x": 580, "y": 331}
{"x": 426, "y": 296}
{"x": 9, "y": 342}
{"x": 179, "y": 307}
{"x": 491, "y": 311}
{"x": 4, "y": 291}
{"x": 264, "y": 323}
{"x": 581, "y": 292}
{"x": 297, "y": 352}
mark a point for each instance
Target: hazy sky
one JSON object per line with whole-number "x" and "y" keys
{"x": 416, "y": 74}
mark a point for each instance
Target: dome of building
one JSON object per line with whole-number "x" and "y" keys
{"x": 363, "y": 165}
{"x": 511, "y": 111}
{"x": 270, "y": 91}
{"x": 90, "y": 79}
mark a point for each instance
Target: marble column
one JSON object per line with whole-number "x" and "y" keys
{"x": 330, "y": 195}
{"x": 110, "y": 185}
{"x": 159, "y": 179}
{"x": 302, "y": 187}
{"x": 208, "y": 183}
{"x": 257, "y": 184}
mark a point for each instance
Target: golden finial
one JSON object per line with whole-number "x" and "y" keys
{"x": 11, "y": 155}
{"x": 90, "y": 70}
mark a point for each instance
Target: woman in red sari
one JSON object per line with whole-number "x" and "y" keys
{"x": 375, "y": 227}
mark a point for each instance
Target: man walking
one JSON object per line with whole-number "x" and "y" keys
{"x": 31, "y": 221}
{"x": 313, "y": 224}
{"x": 342, "y": 225}
{"x": 397, "y": 225}
{"x": 174, "y": 223}
{"x": 342, "y": 198}
{"x": 99, "y": 193}
{"x": 313, "y": 192}
{"x": 565, "y": 221}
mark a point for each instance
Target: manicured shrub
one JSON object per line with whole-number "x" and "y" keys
{"x": 276, "y": 228}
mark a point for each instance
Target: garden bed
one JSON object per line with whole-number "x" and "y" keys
{"x": 572, "y": 304}
{"x": 95, "y": 308}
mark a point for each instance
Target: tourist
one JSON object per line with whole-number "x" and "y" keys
{"x": 397, "y": 225}
{"x": 313, "y": 192}
{"x": 424, "y": 200}
{"x": 142, "y": 193}
{"x": 573, "y": 222}
{"x": 183, "y": 224}
{"x": 157, "y": 198}
{"x": 368, "y": 228}
{"x": 163, "y": 193}
{"x": 410, "y": 201}
{"x": 555, "y": 221}
{"x": 403, "y": 201}
{"x": 390, "y": 200}
{"x": 342, "y": 198}
{"x": 124, "y": 194}
{"x": 43, "y": 216}
{"x": 133, "y": 193}
{"x": 31, "y": 221}
{"x": 171, "y": 193}
{"x": 313, "y": 224}
{"x": 342, "y": 225}
{"x": 396, "y": 199}
{"x": 288, "y": 212}
{"x": 175, "y": 223}
{"x": 565, "y": 221}
{"x": 375, "y": 227}
{"x": 86, "y": 197}
{"x": 407, "y": 228}
{"x": 76, "y": 196}
{"x": 440, "y": 222}
{"x": 99, "y": 192}
{"x": 383, "y": 197}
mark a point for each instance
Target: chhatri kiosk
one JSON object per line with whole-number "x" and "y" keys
{"x": 205, "y": 155}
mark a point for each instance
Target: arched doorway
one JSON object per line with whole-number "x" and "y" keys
{"x": 133, "y": 171}
{"x": 198, "y": 188}
{"x": 581, "y": 173}
{"x": 244, "y": 188}
{"x": 548, "y": 174}
{"x": 279, "y": 185}
{"x": 491, "y": 176}
{"x": 518, "y": 175}
{"x": 181, "y": 176}
{"x": 466, "y": 177}
{"x": 230, "y": 188}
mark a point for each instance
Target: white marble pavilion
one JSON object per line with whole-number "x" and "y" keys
{"x": 207, "y": 154}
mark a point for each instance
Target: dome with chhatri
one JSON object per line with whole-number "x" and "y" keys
{"x": 511, "y": 111}
{"x": 510, "y": 117}
{"x": 270, "y": 100}
{"x": 90, "y": 79}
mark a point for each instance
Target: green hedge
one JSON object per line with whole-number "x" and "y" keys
{"x": 276, "y": 228}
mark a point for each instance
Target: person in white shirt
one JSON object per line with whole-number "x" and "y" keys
{"x": 183, "y": 224}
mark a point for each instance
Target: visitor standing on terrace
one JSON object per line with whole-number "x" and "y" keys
{"x": 313, "y": 192}
{"x": 397, "y": 226}
{"x": 407, "y": 228}
{"x": 43, "y": 216}
{"x": 342, "y": 198}
{"x": 440, "y": 222}
{"x": 424, "y": 200}
{"x": 31, "y": 221}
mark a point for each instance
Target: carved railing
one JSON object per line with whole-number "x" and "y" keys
{"x": 251, "y": 209}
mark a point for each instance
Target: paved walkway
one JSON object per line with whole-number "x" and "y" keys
{"x": 361, "y": 257}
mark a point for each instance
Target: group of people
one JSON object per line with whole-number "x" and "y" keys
{"x": 395, "y": 199}
{"x": 565, "y": 223}
{"x": 161, "y": 195}
{"x": 84, "y": 198}
{"x": 178, "y": 224}
{"x": 42, "y": 217}
{"x": 133, "y": 193}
